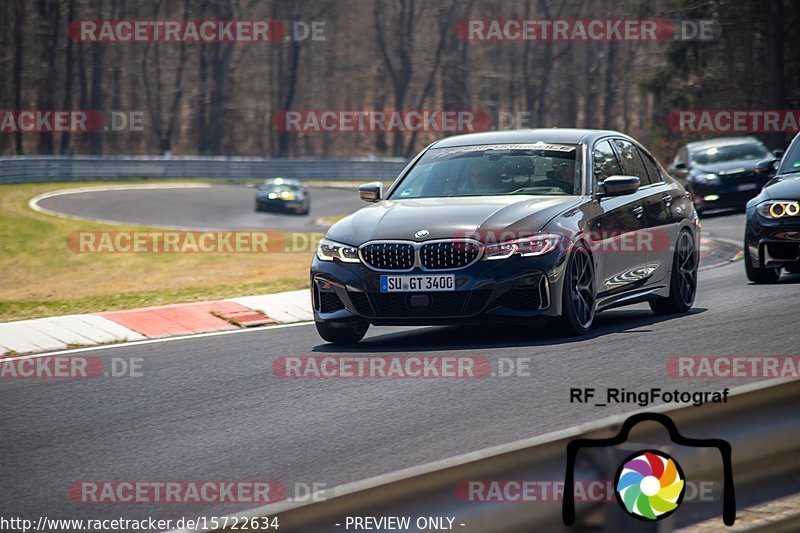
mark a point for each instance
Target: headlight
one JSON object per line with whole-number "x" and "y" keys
{"x": 779, "y": 209}
{"x": 330, "y": 250}
{"x": 288, "y": 196}
{"x": 710, "y": 179}
{"x": 529, "y": 246}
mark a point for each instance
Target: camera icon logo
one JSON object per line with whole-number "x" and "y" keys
{"x": 649, "y": 485}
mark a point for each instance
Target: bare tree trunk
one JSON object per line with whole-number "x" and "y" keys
{"x": 67, "y": 101}
{"x": 775, "y": 66}
{"x": 19, "y": 16}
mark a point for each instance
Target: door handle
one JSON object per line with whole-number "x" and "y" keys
{"x": 638, "y": 211}
{"x": 667, "y": 199}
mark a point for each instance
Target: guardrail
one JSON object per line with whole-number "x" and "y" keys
{"x": 762, "y": 424}
{"x": 24, "y": 169}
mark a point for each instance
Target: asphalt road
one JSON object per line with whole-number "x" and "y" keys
{"x": 206, "y": 208}
{"x": 210, "y": 408}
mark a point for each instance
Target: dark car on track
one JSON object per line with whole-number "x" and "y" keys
{"x": 772, "y": 230}
{"x": 510, "y": 226}
{"x": 720, "y": 173}
{"x": 283, "y": 195}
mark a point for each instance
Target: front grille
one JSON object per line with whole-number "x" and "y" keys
{"x": 329, "y": 302}
{"x": 389, "y": 256}
{"x": 463, "y": 303}
{"x": 447, "y": 255}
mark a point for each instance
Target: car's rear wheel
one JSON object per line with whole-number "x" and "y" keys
{"x": 342, "y": 332}
{"x": 578, "y": 296}
{"x": 683, "y": 279}
{"x": 755, "y": 274}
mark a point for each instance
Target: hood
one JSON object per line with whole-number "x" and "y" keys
{"x": 786, "y": 187}
{"x": 728, "y": 167}
{"x": 448, "y": 217}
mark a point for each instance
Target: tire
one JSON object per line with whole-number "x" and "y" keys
{"x": 755, "y": 274}
{"x": 342, "y": 334}
{"x": 578, "y": 298}
{"x": 682, "y": 280}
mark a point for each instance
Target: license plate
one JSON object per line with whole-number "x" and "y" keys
{"x": 441, "y": 282}
{"x": 747, "y": 186}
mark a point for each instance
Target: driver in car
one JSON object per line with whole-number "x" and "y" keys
{"x": 563, "y": 177}
{"x": 481, "y": 179}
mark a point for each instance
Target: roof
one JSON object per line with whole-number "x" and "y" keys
{"x": 549, "y": 135}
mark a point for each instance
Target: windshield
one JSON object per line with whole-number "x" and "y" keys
{"x": 730, "y": 152}
{"x": 791, "y": 161}
{"x": 493, "y": 170}
{"x": 272, "y": 187}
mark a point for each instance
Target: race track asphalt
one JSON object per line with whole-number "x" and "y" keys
{"x": 217, "y": 207}
{"x": 211, "y": 408}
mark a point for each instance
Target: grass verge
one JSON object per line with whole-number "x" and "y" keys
{"x": 40, "y": 276}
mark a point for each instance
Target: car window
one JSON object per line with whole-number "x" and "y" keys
{"x": 605, "y": 162}
{"x": 631, "y": 160}
{"x": 653, "y": 173}
{"x": 730, "y": 152}
{"x": 683, "y": 155}
{"x": 493, "y": 169}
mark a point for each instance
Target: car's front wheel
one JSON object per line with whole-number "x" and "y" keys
{"x": 342, "y": 332}
{"x": 578, "y": 296}
{"x": 683, "y": 279}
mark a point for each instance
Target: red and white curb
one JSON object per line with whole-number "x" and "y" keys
{"x": 71, "y": 331}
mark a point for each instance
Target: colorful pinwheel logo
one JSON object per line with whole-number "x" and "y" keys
{"x": 649, "y": 485}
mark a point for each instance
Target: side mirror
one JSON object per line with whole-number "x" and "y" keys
{"x": 767, "y": 166}
{"x": 619, "y": 185}
{"x": 778, "y": 153}
{"x": 680, "y": 165}
{"x": 371, "y": 192}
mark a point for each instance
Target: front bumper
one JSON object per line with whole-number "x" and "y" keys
{"x": 513, "y": 288}
{"x": 724, "y": 196}
{"x": 771, "y": 243}
{"x": 278, "y": 205}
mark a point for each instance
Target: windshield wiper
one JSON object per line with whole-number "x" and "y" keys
{"x": 526, "y": 190}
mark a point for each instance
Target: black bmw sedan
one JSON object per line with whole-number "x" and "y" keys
{"x": 720, "y": 173}
{"x": 509, "y": 226}
{"x": 772, "y": 230}
{"x": 283, "y": 195}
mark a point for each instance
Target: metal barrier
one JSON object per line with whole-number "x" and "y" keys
{"x": 25, "y": 169}
{"x": 762, "y": 424}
